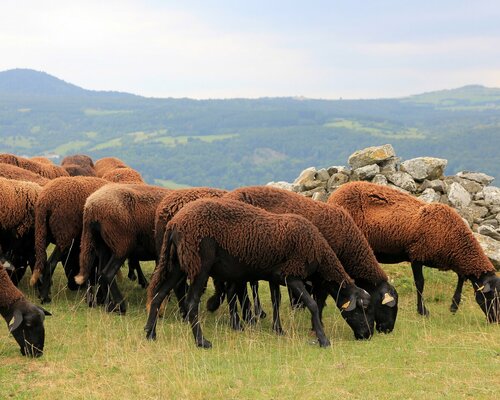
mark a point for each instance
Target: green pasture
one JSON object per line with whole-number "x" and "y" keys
{"x": 90, "y": 354}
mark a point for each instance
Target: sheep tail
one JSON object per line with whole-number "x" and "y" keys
{"x": 41, "y": 222}
{"x": 87, "y": 248}
{"x": 162, "y": 267}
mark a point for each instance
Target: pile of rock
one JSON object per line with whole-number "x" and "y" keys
{"x": 469, "y": 193}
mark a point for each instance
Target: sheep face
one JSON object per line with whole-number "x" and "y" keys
{"x": 384, "y": 300}
{"x": 26, "y": 325}
{"x": 488, "y": 296}
{"x": 354, "y": 305}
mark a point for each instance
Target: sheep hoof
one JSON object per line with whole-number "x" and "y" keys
{"x": 45, "y": 299}
{"x": 423, "y": 312}
{"x": 213, "y": 303}
{"x": 151, "y": 335}
{"x": 237, "y": 326}
{"x": 204, "y": 343}
{"x": 119, "y": 309}
{"x": 324, "y": 342}
{"x": 279, "y": 331}
{"x": 132, "y": 276}
{"x": 454, "y": 307}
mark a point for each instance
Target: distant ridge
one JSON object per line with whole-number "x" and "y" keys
{"x": 21, "y": 81}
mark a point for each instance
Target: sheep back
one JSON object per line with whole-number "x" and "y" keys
{"x": 123, "y": 175}
{"x": 10, "y": 171}
{"x": 49, "y": 171}
{"x": 106, "y": 164}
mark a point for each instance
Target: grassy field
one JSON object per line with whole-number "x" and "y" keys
{"x": 93, "y": 355}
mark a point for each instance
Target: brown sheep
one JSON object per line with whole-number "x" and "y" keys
{"x": 17, "y": 223}
{"x": 236, "y": 241}
{"x": 12, "y": 172}
{"x": 123, "y": 175}
{"x": 107, "y": 164}
{"x": 343, "y": 236}
{"x": 46, "y": 170}
{"x": 118, "y": 221}
{"x": 400, "y": 228}
{"x": 78, "y": 165}
{"x": 42, "y": 160}
{"x": 25, "y": 320}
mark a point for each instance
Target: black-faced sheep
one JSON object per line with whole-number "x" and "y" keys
{"x": 9, "y": 171}
{"x": 107, "y": 164}
{"x": 343, "y": 236}
{"x": 400, "y": 228}
{"x": 238, "y": 242}
{"x": 17, "y": 223}
{"x": 118, "y": 223}
{"x": 49, "y": 171}
{"x": 24, "y": 319}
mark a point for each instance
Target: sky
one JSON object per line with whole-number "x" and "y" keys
{"x": 226, "y": 49}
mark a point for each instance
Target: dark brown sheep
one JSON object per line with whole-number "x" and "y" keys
{"x": 78, "y": 165}
{"x": 49, "y": 171}
{"x": 118, "y": 221}
{"x": 123, "y": 175}
{"x": 17, "y": 223}
{"x": 236, "y": 241}
{"x": 25, "y": 320}
{"x": 107, "y": 164}
{"x": 343, "y": 236}
{"x": 59, "y": 220}
{"x": 10, "y": 171}
{"x": 400, "y": 228}
{"x": 42, "y": 160}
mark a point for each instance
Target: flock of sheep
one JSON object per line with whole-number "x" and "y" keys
{"x": 100, "y": 215}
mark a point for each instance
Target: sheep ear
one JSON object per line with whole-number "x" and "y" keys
{"x": 484, "y": 288}
{"x": 45, "y": 312}
{"x": 388, "y": 300}
{"x": 16, "y": 321}
{"x": 348, "y": 305}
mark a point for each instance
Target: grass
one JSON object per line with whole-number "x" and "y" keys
{"x": 173, "y": 141}
{"x": 70, "y": 147}
{"x": 377, "y": 129}
{"x": 93, "y": 355}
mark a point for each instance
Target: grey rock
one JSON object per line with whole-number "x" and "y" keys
{"x": 379, "y": 179}
{"x": 436, "y": 185}
{"x": 494, "y": 223}
{"x": 320, "y": 196}
{"x": 478, "y": 211}
{"x": 310, "y": 193}
{"x": 398, "y": 188}
{"x": 336, "y": 180}
{"x": 311, "y": 178}
{"x": 335, "y": 168}
{"x": 367, "y": 172}
{"x": 487, "y": 230}
{"x": 444, "y": 199}
{"x": 492, "y": 195}
{"x": 491, "y": 248}
{"x": 471, "y": 186}
{"x": 430, "y": 196}
{"x": 467, "y": 215}
{"x": 390, "y": 165}
{"x": 402, "y": 180}
{"x": 478, "y": 177}
{"x": 370, "y": 155}
{"x": 421, "y": 168}
{"x": 458, "y": 196}
{"x": 281, "y": 185}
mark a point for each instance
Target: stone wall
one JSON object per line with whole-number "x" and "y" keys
{"x": 469, "y": 193}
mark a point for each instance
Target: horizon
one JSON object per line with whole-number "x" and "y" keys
{"x": 322, "y": 50}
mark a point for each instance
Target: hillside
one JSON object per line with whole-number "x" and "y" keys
{"x": 236, "y": 142}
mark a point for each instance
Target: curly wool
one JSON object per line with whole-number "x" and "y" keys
{"x": 253, "y": 236}
{"x": 106, "y": 164}
{"x": 334, "y": 223}
{"x": 78, "y": 159}
{"x": 168, "y": 207}
{"x": 9, "y": 294}
{"x": 123, "y": 175}
{"x": 397, "y": 224}
{"x": 42, "y": 160}
{"x": 12, "y": 172}
{"x": 125, "y": 214}
{"x": 59, "y": 214}
{"x": 49, "y": 171}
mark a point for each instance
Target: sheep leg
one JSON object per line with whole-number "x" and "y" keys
{"x": 320, "y": 295}
{"x": 214, "y": 302}
{"x": 246, "y": 309}
{"x": 418, "y": 276}
{"x": 193, "y": 303}
{"x": 276, "y": 300}
{"x": 71, "y": 265}
{"x": 108, "y": 277}
{"x": 163, "y": 289}
{"x": 457, "y": 296}
{"x": 259, "y": 312}
{"x": 299, "y": 289}
{"x": 133, "y": 267}
{"x": 233, "y": 290}
{"x": 45, "y": 281}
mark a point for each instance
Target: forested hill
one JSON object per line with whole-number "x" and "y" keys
{"x": 229, "y": 143}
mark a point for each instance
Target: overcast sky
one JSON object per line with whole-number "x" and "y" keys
{"x": 224, "y": 49}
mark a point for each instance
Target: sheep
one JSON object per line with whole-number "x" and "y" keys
{"x": 42, "y": 160}
{"x": 236, "y": 241}
{"x": 46, "y": 170}
{"x": 79, "y": 165}
{"x": 118, "y": 221}
{"x": 343, "y": 236}
{"x": 123, "y": 175}
{"x": 107, "y": 164}
{"x": 12, "y": 172}
{"x": 25, "y": 320}
{"x": 400, "y": 228}
{"x": 17, "y": 223}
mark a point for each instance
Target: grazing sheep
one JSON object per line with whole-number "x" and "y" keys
{"x": 12, "y": 172}
{"x": 107, "y": 164}
{"x": 343, "y": 236}
{"x": 235, "y": 241}
{"x": 123, "y": 175}
{"x": 25, "y": 320}
{"x": 118, "y": 220}
{"x": 17, "y": 223}
{"x": 49, "y": 171}
{"x": 400, "y": 228}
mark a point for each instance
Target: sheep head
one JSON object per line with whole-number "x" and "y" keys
{"x": 26, "y": 325}
{"x": 487, "y": 289}
{"x": 384, "y": 300}
{"x": 354, "y": 305}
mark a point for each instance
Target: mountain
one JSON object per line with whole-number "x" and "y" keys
{"x": 229, "y": 143}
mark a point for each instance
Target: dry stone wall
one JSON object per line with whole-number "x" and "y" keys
{"x": 469, "y": 193}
